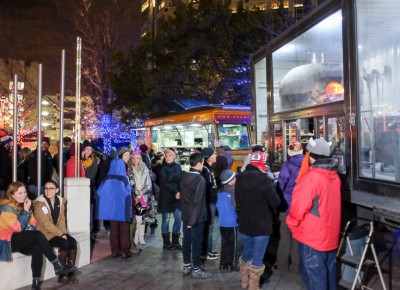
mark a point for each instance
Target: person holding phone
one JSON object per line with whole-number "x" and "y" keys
{"x": 18, "y": 234}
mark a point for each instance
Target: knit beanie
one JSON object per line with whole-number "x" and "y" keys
{"x": 5, "y": 140}
{"x": 319, "y": 148}
{"x": 295, "y": 148}
{"x": 259, "y": 159}
{"x": 122, "y": 150}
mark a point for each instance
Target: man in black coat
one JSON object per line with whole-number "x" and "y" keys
{"x": 46, "y": 168}
{"x": 5, "y": 164}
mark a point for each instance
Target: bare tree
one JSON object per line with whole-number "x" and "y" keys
{"x": 105, "y": 27}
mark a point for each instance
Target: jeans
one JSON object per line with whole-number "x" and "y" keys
{"x": 191, "y": 244}
{"x": 317, "y": 269}
{"x": 254, "y": 249}
{"x": 208, "y": 231}
{"x": 176, "y": 229}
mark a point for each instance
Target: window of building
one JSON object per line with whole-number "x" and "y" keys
{"x": 308, "y": 71}
{"x": 378, "y": 59}
{"x": 260, "y": 89}
{"x": 235, "y": 136}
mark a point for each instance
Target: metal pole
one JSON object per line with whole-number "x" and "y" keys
{"x": 39, "y": 133}
{"x": 78, "y": 105}
{"x": 15, "y": 128}
{"x": 61, "y": 137}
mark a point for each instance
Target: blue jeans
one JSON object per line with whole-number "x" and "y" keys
{"x": 191, "y": 244}
{"x": 317, "y": 269}
{"x": 176, "y": 229}
{"x": 254, "y": 249}
{"x": 213, "y": 208}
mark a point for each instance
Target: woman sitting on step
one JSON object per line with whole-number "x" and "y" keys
{"x": 50, "y": 213}
{"x": 18, "y": 234}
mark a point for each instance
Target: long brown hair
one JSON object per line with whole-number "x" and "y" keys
{"x": 12, "y": 188}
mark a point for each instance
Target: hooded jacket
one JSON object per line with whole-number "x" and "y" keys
{"x": 227, "y": 216}
{"x": 11, "y": 221}
{"x": 288, "y": 175}
{"x": 314, "y": 216}
{"x": 114, "y": 199}
{"x": 45, "y": 221}
{"x": 255, "y": 196}
{"x": 193, "y": 197}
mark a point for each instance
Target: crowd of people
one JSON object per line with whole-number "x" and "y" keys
{"x": 129, "y": 186}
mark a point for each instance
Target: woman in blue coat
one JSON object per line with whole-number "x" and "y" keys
{"x": 115, "y": 204}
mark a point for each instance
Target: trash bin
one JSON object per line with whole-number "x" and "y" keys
{"x": 358, "y": 237}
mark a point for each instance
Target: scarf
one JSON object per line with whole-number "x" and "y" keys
{"x": 87, "y": 162}
{"x": 54, "y": 208}
{"x": 304, "y": 166}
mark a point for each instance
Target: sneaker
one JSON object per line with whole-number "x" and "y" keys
{"x": 201, "y": 274}
{"x": 212, "y": 255}
{"x": 187, "y": 270}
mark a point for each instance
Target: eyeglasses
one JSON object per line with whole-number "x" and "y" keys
{"x": 50, "y": 188}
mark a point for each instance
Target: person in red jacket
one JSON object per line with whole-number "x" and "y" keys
{"x": 314, "y": 217}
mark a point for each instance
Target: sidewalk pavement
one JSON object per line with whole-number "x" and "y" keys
{"x": 158, "y": 269}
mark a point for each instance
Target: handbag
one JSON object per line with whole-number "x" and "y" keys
{"x": 141, "y": 207}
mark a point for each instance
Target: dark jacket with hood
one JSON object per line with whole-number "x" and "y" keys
{"x": 255, "y": 196}
{"x": 169, "y": 179}
{"x": 193, "y": 197}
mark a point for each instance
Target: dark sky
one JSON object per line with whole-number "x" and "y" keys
{"x": 38, "y": 30}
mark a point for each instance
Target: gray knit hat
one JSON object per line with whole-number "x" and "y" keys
{"x": 122, "y": 150}
{"x": 319, "y": 147}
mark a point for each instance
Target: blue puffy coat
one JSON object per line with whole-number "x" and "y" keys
{"x": 114, "y": 198}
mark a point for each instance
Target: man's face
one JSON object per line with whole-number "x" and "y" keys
{"x": 44, "y": 146}
{"x": 212, "y": 159}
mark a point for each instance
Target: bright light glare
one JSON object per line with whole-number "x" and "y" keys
{"x": 196, "y": 125}
{"x": 45, "y": 124}
{"x": 45, "y": 113}
{"x": 331, "y": 21}
{"x": 287, "y": 48}
{"x": 45, "y": 103}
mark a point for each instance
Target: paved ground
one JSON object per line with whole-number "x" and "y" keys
{"x": 156, "y": 268}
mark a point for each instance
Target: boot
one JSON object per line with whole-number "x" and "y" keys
{"x": 59, "y": 269}
{"x": 62, "y": 257}
{"x": 255, "y": 274}
{"x": 36, "y": 284}
{"x": 140, "y": 230}
{"x": 71, "y": 262}
{"x": 167, "y": 242}
{"x": 244, "y": 272}
{"x": 175, "y": 241}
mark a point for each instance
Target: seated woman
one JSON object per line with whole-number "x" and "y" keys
{"x": 50, "y": 216}
{"x": 18, "y": 233}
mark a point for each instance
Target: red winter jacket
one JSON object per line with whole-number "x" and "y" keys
{"x": 314, "y": 216}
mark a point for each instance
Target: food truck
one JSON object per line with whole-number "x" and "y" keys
{"x": 335, "y": 75}
{"x": 203, "y": 126}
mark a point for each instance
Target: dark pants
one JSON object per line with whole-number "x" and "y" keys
{"x": 120, "y": 240}
{"x": 65, "y": 245}
{"x": 191, "y": 244}
{"x": 33, "y": 243}
{"x": 228, "y": 246}
{"x": 288, "y": 250}
{"x": 317, "y": 268}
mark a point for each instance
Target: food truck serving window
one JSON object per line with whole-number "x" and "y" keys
{"x": 308, "y": 71}
{"x": 378, "y": 40}
{"x": 235, "y": 136}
